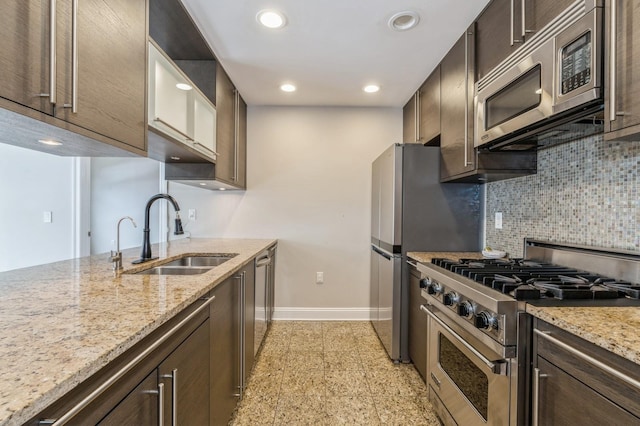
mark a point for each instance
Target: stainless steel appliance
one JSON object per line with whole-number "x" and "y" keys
{"x": 265, "y": 275}
{"x": 555, "y": 78}
{"x": 479, "y": 332}
{"x": 412, "y": 211}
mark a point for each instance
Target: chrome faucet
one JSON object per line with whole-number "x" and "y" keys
{"x": 146, "y": 244}
{"x": 116, "y": 256}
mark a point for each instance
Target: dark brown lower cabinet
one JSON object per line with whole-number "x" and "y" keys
{"x": 140, "y": 407}
{"x": 185, "y": 374}
{"x": 577, "y": 382}
{"x": 417, "y": 324}
{"x": 170, "y": 366}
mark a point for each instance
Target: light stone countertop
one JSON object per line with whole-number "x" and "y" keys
{"x": 61, "y": 322}
{"x": 612, "y": 328}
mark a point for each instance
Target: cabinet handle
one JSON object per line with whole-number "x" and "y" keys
{"x": 206, "y": 148}
{"x": 236, "y": 129}
{"x": 417, "y": 115}
{"x": 52, "y": 56}
{"x": 124, "y": 370}
{"x": 174, "y": 395}
{"x": 525, "y": 31}
{"x": 74, "y": 59}
{"x": 588, "y": 359}
{"x": 536, "y": 396}
{"x": 161, "y": 404}
{"x": 241, "y": 335}
{"x": 513, "y": 19}
{"x": 466, "y": 99}
{"x": 415, "y": 265}
{"x": 184, "y": 135}
{"x": 612, "y": 62}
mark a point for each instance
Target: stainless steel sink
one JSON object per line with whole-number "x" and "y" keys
{"x": 188, "y": 265}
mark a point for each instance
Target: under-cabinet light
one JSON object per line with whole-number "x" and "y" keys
{"x": 184, "y": 86}
{"x": 49, "y": 142}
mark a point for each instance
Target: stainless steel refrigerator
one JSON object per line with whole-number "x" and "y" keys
{"x": 412, "y": 211}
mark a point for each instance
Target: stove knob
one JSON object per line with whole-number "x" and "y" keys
{"x": 434, "y": 288}
{"x": 484, "y": 320}
{"x": 425, "y": 282}
{"x": 450, "y": 299}
{"x": 465, "y": 309}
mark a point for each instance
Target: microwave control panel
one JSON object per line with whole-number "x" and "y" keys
{"x": 576, "y": 63}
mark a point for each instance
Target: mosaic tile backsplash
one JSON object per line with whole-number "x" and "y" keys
{"x": 585, "y": 192}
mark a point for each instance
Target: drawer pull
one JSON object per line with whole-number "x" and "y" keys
{"x": 594, "y": 362}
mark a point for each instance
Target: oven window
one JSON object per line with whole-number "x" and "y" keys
{"x": 520, "y": 96}
{"x": 465, "y": 374}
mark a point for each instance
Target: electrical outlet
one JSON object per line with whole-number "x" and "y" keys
{"x": 319, "y": 277}
{"x": 498, "y": 221}
{"x": 47, "y": 217}
{"x": 192, "y": 214}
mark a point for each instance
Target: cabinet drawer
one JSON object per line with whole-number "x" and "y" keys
{"x": 571, "y": 360}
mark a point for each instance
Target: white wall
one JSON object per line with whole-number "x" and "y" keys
{"x": 309, "y": 178}
{"x": 31, "y": 183}
{"x": 121, "y": 187}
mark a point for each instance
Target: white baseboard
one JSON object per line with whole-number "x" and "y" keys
{"x": 322, "y": 314}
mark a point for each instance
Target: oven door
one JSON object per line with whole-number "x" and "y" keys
{"x": 470, "y": 381}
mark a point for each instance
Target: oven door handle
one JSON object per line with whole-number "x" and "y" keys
{"x": 494, "y": 367}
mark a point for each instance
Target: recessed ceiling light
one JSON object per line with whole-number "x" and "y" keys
{"x": 184, "y": 86}
{"x": 403, "y": 21}
{"x": 175, "y": 158}
{"x": 271, "y": 19}
{"x": 372, "y": 88}
{"x": 222, "y": 189}
{"x": 49, "y": 142}
{"x": 288, "y": 87}
{"x": 203, "y": 184}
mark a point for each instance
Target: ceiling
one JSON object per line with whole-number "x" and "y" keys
{"x": 331, "y": 49}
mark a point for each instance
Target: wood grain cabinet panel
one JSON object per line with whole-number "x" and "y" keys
{"x": 494, "y": 39}
{"x": 140, "y": 407}
{"x": 231, "y": 132}
{"x": 25, "y": 53}
{"x": 421, "y": 114}
{"x": 409, "y": 125}
{"x": 111, "y": 68}
{"x": 456, "y": 106}
{"x": 225, "y": 130}
{"x": 571, "y": 389}
{"x": 538, "y": 13}
{"x": 417, "y": 324}
{"x": 624, "y": 106}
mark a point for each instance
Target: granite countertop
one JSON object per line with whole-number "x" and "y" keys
{"x": 61, "y": 322}
{"x": 612, "y": 328}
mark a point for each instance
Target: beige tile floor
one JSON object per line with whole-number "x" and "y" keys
{"x": 331, "y": 373}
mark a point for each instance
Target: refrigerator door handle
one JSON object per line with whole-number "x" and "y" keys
{"x": 381, "y": 253}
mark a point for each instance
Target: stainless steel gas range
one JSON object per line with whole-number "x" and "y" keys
{"x": 478, "y": 365}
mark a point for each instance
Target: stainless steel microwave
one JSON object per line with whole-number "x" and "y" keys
{"x": 555, "y": 76}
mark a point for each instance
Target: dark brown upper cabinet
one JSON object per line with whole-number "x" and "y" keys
{"x": 231, "y": 133}
{"x": 496, "y": 34}
{"x": 98, "y": 82}
{"x": 538, "y": 13}
{"x": 456, "y": 108}
{"x": 421, "y": 114}
{"x": 622, "y": 96}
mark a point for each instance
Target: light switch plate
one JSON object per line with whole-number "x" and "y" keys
{"x": 498, "y": 221}
{"x": 47, "y": 217}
